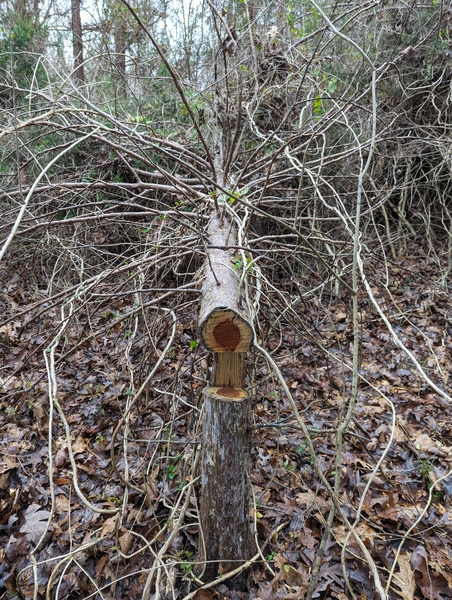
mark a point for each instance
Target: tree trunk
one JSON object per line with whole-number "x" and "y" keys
{"x": 77, "y": 42}
{"x": 224, "y": 504}
{"x": 226, "y": 331}
{"x": 120, "y": 56}
{"x": 224, "y": 323}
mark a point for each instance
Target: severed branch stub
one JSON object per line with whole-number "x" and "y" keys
{"x": 225, "y": 329}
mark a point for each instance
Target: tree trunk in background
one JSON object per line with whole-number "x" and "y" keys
{"x": 77, "y": 42}
{"x": 120, "y": 56}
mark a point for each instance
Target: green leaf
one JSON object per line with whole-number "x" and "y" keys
{"x": 332, "y": 85}
{"x": 318, "y": 105}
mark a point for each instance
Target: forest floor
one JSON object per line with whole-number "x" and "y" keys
{"x": 100, "y": 360}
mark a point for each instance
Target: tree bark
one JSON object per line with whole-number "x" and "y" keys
{"x": 77, "y": 41}
{"x": 226, "y": 330}
{"x": 120, "y": 56}
{"x": 224, "y": 323}
{"x": 224, "y": 503}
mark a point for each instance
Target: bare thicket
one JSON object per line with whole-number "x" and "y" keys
{"x": 328, "y": 149}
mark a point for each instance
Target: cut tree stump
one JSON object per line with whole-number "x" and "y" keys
{"x": 225, "y": 497}
{"x": 225, "y": 329}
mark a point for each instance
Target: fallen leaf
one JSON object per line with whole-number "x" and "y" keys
{"x": 441, "y": 571}
{"x": 291, "y": 576}
{"x": 79, "y": 446}
{"x": 60, "y": 458}
{"x": 18, "y": 544}
{"x": 8, "y": 463}
{"x": 406, "y": 579}
{"x": 35, "y": 522}
{"x": 100, "y": 566}
{"x": 108, "y": 527}
{"x": 4, "y": 480}
{"x": 125, "y": 542}
{"x": 62, "y": 504}
{"x": 203, "y": 595}
{"x": 63, "y": 481}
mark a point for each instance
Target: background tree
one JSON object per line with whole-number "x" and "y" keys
{"x": 22, "y": 39}
{"x": 77, "y": 41}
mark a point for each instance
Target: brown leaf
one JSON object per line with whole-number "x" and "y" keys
{"x": 39, "y": 413}
{"x": 364, "y": 531}
{"x": 203, "y": 595}
{"x": 307, "y": 539}
{"x": 108, "y": 527}
{"x": 439, "y": 570}
{"x": 79, "y": 446}
{"x": 337, "y": 382}
{"x": 293, "y": 577}
{"x": 4, "y": 481}
{"x": 125, "y": 541}
{"x": 18, "y": 544}
{"x": 35, "y": 522}
{"x": 432, "y": 586}
{"x": 61, "y": 458}
{"x": 62, "y": 504}
{"x": 406, "y": 580}
{"x": 100, "y": 566}
{"x": 63, "y": 481}
{"x": 8, "y": 463}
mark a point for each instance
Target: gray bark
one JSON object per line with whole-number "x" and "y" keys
{"x": 225, "y": 496}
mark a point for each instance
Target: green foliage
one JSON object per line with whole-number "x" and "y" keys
{"x": 271, "y": 556}
{"x": 302, "y": 449}
{"x": 171, "y": 471}
{"x": 318, "y": 105}
{"x": 425, "y": 469}
{"x": 238, "y": 263}
{"x": 186, "y": 565}
{"x": 18, "y": 46}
